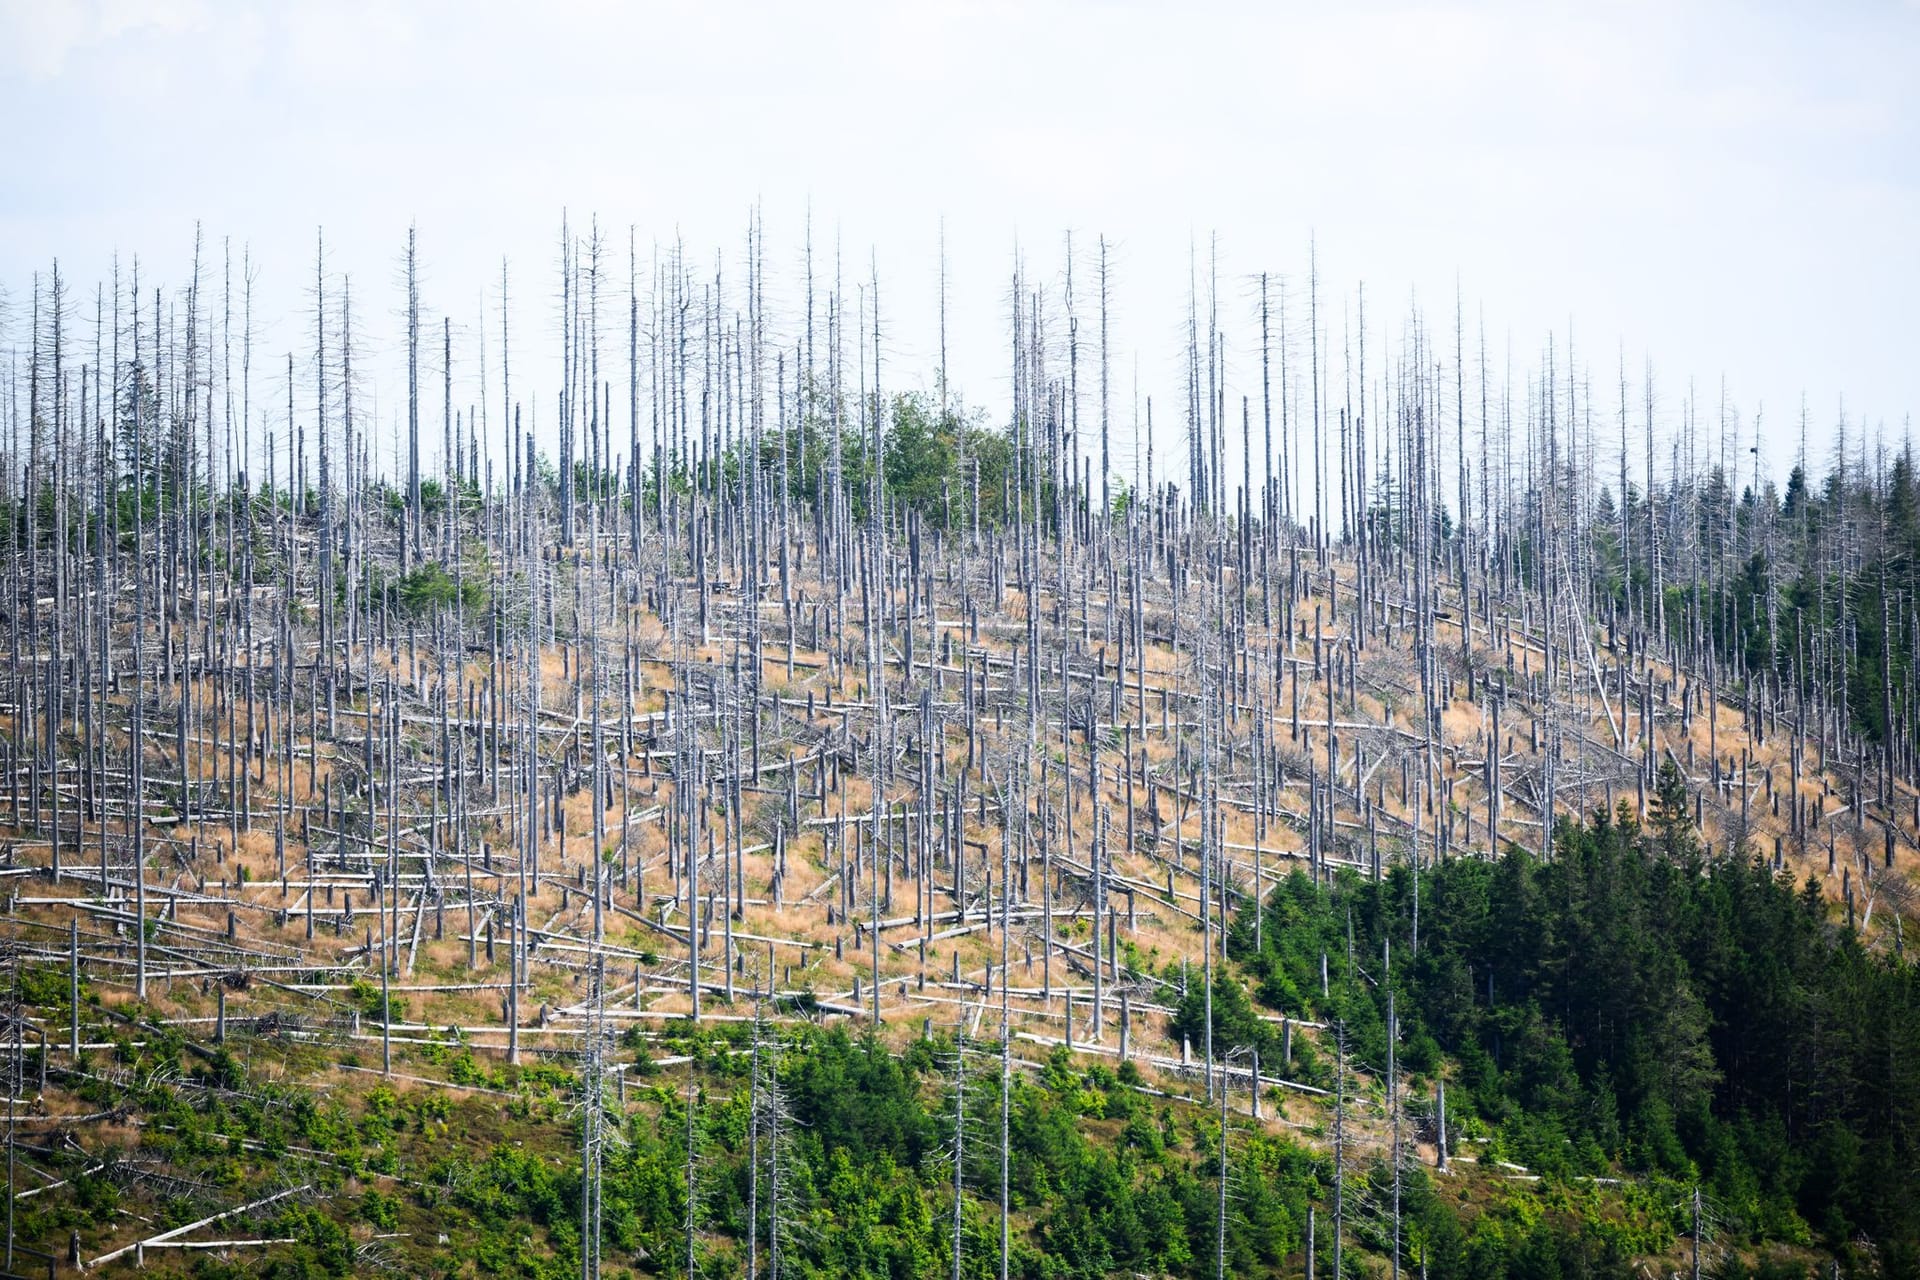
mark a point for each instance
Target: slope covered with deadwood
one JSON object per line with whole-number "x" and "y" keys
{"x": 829, "y": 831}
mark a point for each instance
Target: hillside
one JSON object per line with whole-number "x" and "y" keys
{"x": 612, "y": 867}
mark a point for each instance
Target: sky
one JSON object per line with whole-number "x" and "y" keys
{"x": 1728, "y": 191}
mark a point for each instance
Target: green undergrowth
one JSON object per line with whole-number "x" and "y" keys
{"x": 1104, "y": 1177}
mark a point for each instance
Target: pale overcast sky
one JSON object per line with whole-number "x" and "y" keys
{"x": 1730, "y": 190}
